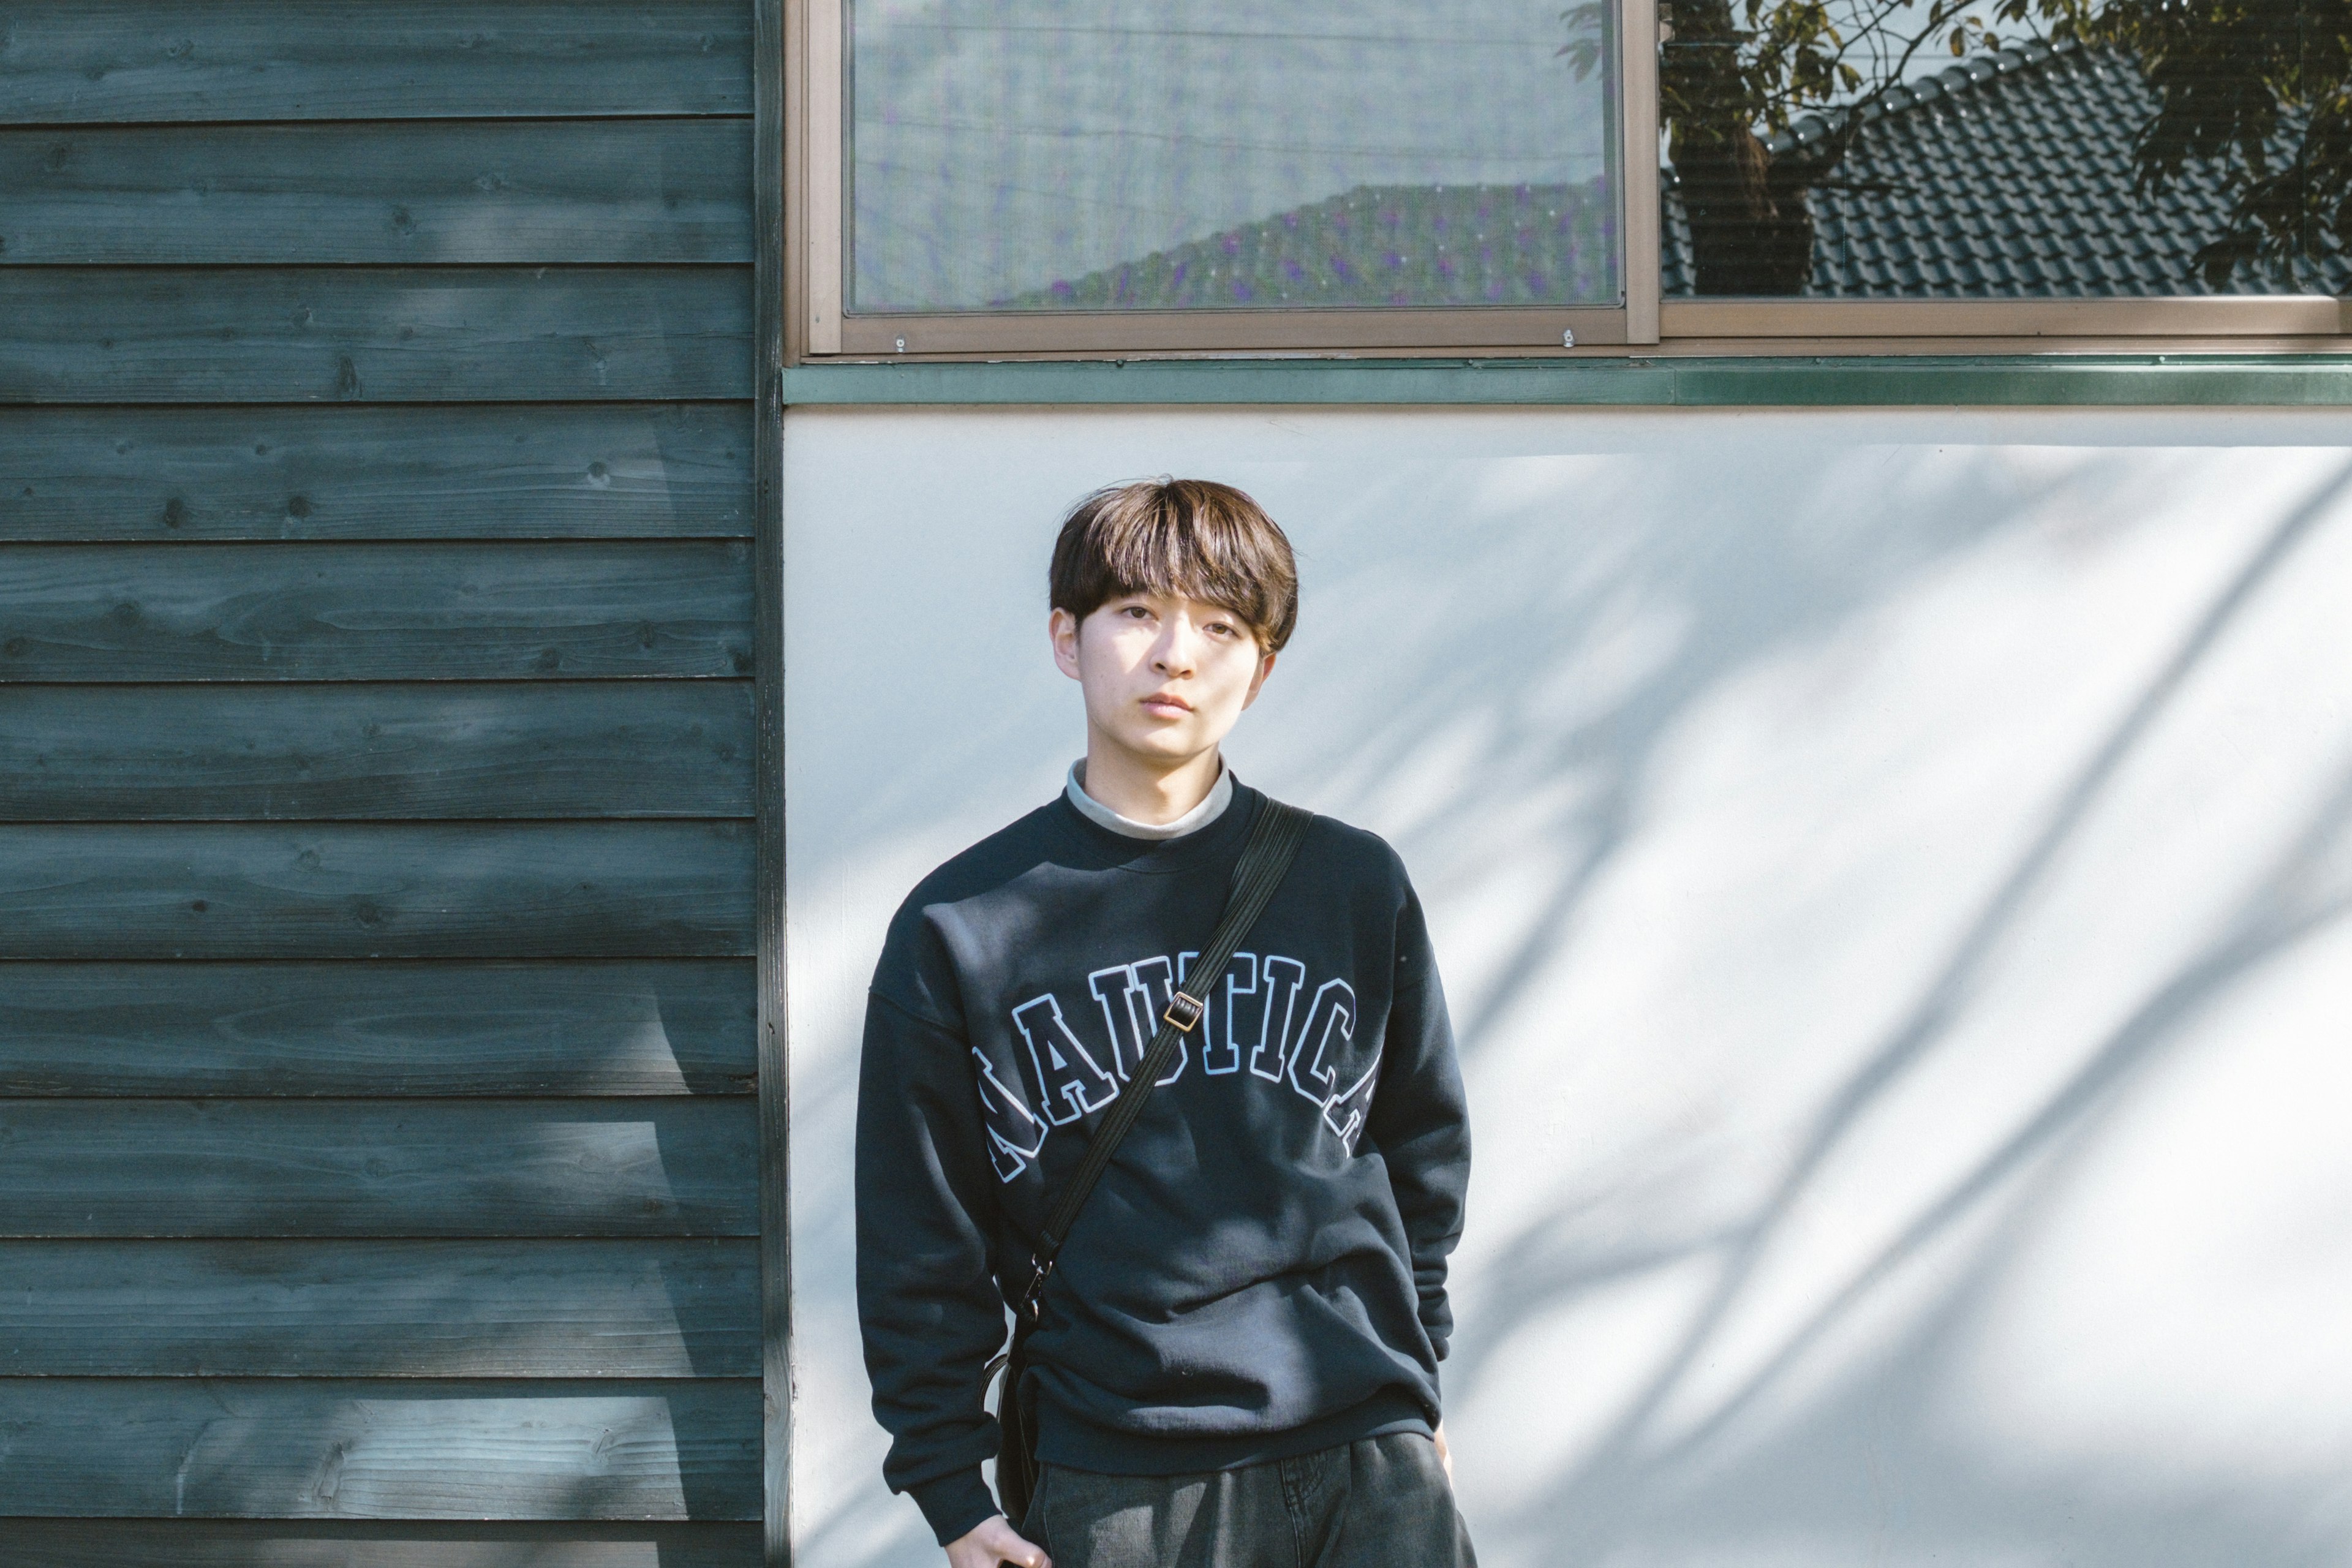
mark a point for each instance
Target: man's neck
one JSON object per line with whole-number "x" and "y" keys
{"x": 1142, "y": 793}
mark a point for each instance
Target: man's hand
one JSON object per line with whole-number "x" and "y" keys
{"x": 991, "y": 1542}
{"x": 1445, "y": 1453}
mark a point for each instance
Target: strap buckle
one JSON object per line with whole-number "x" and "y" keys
{"x": 1184, "y": 1012}
{"x": 1035, "y": 1289}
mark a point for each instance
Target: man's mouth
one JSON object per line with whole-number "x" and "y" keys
{"x": 1168, "y": 699}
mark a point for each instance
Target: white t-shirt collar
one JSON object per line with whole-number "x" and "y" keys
{"x": 1212, "y": 806}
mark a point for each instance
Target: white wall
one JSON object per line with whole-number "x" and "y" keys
{"x": 1889, "y": 870}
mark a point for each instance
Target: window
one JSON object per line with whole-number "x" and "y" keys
{"x": 1060, "y": 176}
{"x": 1215, "y": 173}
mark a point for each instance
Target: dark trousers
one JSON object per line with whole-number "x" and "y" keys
{"x": 1381, "y": 1502}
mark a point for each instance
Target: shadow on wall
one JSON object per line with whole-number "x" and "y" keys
{"x": 1657, "y": 1475}
{"x": 1889, "y": 889}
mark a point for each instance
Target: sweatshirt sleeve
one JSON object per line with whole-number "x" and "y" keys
{"x": 927, "y": 1300}
{"x": 1420, "y": 1122}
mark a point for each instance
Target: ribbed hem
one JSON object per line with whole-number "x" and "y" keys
{"x": 1079, "y": 1445}
{"x": 954, "y": 1504}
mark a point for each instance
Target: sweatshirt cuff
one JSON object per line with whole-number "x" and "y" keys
{"x": 954, "y": 1504}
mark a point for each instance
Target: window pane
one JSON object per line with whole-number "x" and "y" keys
{"x": 2018, "y": 170}
{"x": 1112, "y": 155}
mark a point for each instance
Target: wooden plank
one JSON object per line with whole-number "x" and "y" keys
{"x": 597, "y": 1026}
{"x": 345, "y": 334}
{"x": 453, "y": 1168}
{"x": 386, "y": 1308}
{"x": 416, "y": 192}
{"x": 284, "y": 1449}
{"x": 646, "y": 889}
{"x": 211, "y": 1544}
{"x": 377, "y": 472}
{"x": 770, "y": 161}
{"x": 101, "y": 61}
{"x": 550, "y": 749}
{"x": 376, "y": 612}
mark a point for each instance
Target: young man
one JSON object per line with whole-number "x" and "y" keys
{"x": 1237, "y": 1358}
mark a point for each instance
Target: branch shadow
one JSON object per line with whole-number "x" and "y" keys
{"x": 1549, "y": 655}
{"x": 1594, "y": 1505}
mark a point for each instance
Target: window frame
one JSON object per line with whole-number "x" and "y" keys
{"x": 820, "y": 240}
{"x": 1642, "y": 324}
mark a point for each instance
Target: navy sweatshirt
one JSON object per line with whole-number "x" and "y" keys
{"x": 1261, "y": 1270}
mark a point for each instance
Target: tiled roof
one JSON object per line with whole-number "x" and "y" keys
{"x": 1377, "y": 245}
{"x": 2008, "y": 175}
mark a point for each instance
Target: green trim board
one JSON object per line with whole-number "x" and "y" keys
{"x": 639, "y": 1166}
{"x": 86, "y": 62}
{"x": 383, "y": 751}
{"x": 773, "y": 1069}
{"x": 337, "y": 333}
{"x": 276, "y": 1447}
{"x": 454, "y": 610}
{"x": 356, "y": 1029}
{"x": 1957, "y": 380}
{"x": 98, "y": 473}
{"x": 377, "y": 1543}
{"x": 596, "y": 1311}
{"x": 457, "y": 890}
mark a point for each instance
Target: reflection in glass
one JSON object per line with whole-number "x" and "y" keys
{"x": 1110, "y": 154}
{"x": 2075, "y": 149}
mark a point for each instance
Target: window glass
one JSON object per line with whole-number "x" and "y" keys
{"x": 1177, "y": 155}
{"x": 2073, "y": 149}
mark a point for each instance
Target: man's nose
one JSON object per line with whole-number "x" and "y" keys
{"x": 1178, "y": 646}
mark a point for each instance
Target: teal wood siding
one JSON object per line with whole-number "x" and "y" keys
{"x": 380, "y": 1139}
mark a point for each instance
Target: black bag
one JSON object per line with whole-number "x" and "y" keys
{"x": 1016, "y": 1428}
{"x": 1266, "y": 859}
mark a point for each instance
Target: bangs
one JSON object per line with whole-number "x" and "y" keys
{"x": 1191, "y": 539}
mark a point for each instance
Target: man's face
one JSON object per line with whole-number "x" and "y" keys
{"x": 1165, "y": 676}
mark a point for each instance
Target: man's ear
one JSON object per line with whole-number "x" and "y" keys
{"x": 1264, "y": 668}
{"x": 1063, "y": 627}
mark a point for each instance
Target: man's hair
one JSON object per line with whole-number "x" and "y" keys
{"x": 1194, "y": 539}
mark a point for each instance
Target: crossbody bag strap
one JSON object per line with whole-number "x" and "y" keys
{"x": 1266, "y": 859}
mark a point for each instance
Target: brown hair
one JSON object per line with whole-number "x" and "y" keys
{"x": 1192, "y": 538}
